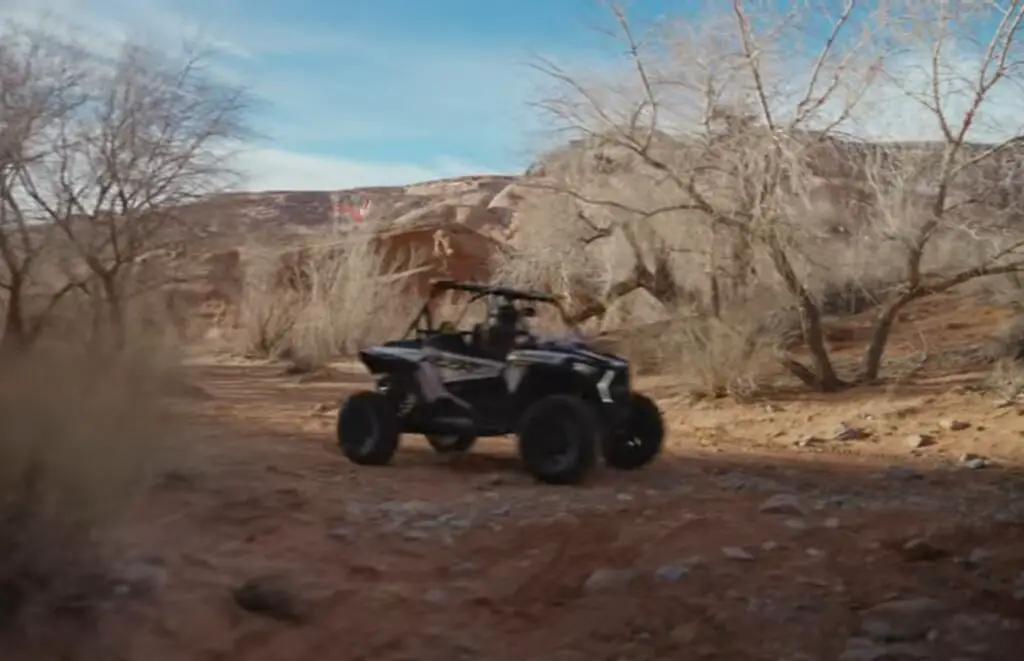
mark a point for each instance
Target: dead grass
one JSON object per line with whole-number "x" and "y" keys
{"x": 717, "y": 357}
{"x": 82, "y": 438}
{"x": 331, "y": 301}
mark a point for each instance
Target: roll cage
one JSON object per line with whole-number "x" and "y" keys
{"x": 494, "y": 293}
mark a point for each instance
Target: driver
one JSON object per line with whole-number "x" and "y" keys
{"x": 502, "y": 327}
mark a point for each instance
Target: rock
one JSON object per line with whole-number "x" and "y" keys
{"x": 464, "y": 569}
{"x": 973, "y": 632}
{"x": 341, "y": 534}
{"x": 783, "y": 504}
{"x": 955, "y": 425}
{"x": 671, "y": 573}
{"x": 921, "y": 550}
{"x": 903, "y": 473}
{"x": 846, "y": 432}
{"x": 915, "y": 441}
{"x": 414, "y": 535}
{"x": 1018, "y": 588}
{"x": 769, "y": 546}
{"x": 684, "y": 634}
{"x": 271, "y": 597}
{"x": 973, "y": 461}
{"x": 831, "y": 523}
{"x": 602, "y": 580}
{"x": 737, "y": 553}
{"x": 864, "y": 649}
{"x": 902, "y": 620}
{"x": 142, "y": 575}
{"x": 636, "y": 307}
{"x": 798, "y": 525}
{"x": 492, "y": 480}
{"x": 808, "y": 440}
{"x": 978, "y": 556}
{"x": 436, "y": 596}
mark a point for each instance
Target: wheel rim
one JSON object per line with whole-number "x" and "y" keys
{"x": 642, "y": 439}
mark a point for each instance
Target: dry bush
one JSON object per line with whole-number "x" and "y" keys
{"x": 719, "y": 357}
{"x": 267, "y": 312}
{"x": 333, "y": 300}
{"x": 83, "y": 435}
{"x": 1006, "y": 379}
{"x": 737, "y": 149}
{"x": 551, "y": 251}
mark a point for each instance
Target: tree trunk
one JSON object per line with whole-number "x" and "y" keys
{"x": 112, "y": 312}
{"x": 810, "y": 319}
{"x": 871, "y": 363}
{"x": 814, "y": 336}
{"x": 16, "y": 336}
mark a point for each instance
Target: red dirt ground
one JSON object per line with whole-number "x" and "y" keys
{"x": 441, "y": 559}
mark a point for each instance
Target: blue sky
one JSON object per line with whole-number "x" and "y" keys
{"x": 375, "y": 92}
{"x": 360, "y": 92}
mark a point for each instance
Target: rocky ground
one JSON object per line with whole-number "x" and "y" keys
{"x": 867, "y": 526}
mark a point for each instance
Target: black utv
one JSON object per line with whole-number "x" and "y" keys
{"x": 567, "y": 403}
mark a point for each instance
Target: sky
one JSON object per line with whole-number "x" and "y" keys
{"x": 380, "y": 92}
{"x": 361, "y": 92}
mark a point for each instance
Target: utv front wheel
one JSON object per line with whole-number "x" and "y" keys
{"x": 368, "y": 429}
{"x": 640, "y": 441}
{"x": 451, "y": 444}
{"x": 558, "y": 439}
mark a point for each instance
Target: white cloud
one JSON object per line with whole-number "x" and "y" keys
{"x": 351, "y": 94}
{"x": 277, "y": 169}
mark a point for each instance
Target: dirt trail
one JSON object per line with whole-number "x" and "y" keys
{"x": 871, "y": 548}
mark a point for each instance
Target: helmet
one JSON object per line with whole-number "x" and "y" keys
{"x": 504, "y": 314}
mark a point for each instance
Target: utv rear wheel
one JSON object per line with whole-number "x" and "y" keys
{"x": 368, "y": 429}
{"x": 558, "y": 439}
{"x": 640, "y": 442}
{"x": 450, "y": 444}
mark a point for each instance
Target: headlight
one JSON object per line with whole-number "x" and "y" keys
{"x": 585, "y": 369}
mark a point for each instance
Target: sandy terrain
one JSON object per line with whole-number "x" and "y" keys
{"x": 758, "y": 535}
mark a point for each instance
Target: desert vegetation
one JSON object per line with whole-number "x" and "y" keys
{"x": 97, "y": 154}
{"x": 715, "y": 201}
{"x": 738, "y": 166}
{"x": 326, "y": 300}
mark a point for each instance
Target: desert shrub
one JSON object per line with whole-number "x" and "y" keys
{"x": 267, "y": 312}
{"x": 733, "y": 355}
{"x": 1006, "y": 378}
{"x": 81, "y": 438}
{"x": 1007, "y": 344}
{"x": 328, "y": 301}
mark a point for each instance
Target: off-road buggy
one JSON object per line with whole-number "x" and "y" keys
{"x": 567, "y": 403}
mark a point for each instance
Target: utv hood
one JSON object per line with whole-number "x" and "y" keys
{"x": 581, "y": 350}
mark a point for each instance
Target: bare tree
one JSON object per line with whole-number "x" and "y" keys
{"x": 38, "y": 89}
{"x": 148, "y": 134}
{"x": 956, "y": 187}
{"x": 738, "y": 135}
{"x": 715, "y": 116}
